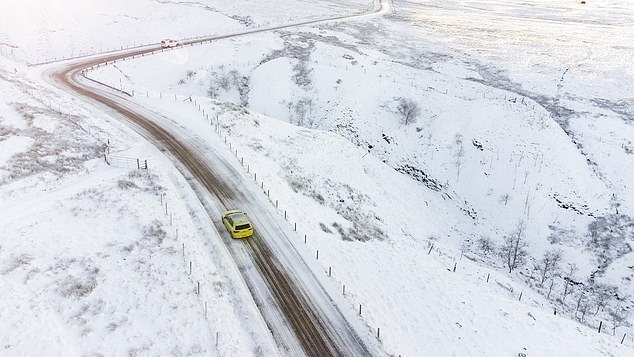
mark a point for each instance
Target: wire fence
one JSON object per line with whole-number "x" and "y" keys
{"x": 126, "y": 162}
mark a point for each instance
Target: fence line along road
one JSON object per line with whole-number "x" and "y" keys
{"x": 315, "y": 322}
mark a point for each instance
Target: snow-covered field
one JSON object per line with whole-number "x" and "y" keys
{"x": 40, "y": 31}
{"x": 525, "y": 115}
{"x": 91, "y": 260}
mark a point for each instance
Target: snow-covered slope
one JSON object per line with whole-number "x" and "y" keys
{"x": 91, "y": 261}
{"x": 349, "y": 209}
{"x": 495, "y": 141}
{"x": 526, "y": 115}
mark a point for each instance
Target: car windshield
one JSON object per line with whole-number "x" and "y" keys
{"x": 242, "y": 226}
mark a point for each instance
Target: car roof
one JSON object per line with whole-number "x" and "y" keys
{"x": 238, "y": 217}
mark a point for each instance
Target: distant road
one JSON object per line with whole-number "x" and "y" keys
{"x": 300, "y": 313}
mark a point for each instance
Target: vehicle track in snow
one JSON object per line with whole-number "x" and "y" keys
{"x": 315, "y": 330}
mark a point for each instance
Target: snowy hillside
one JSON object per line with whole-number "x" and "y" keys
{"x": 501, "y": 154}
{"x": 349, "y": 207}
{"x": 43, "y": 30}
{"x": 523, "y": 128}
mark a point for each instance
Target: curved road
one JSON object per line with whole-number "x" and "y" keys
{"x": 293, "y": 305}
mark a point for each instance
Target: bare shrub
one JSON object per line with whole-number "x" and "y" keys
{"x": 303, "y": 109}
{"x": 223, "y": 82}
{"x": 324, "y": 228}
{"x": 155, "y": 231}
{"x": 619, "y": 317}
{"x": 6, "y": 131}
{"x": 569, "y": 280}
{"x": 486, "y": 245}
{"x": 73, "y": 286}
{"x": 549, "y": 264}
{"x": 212, "y": 91}
{"x": 126, "y": 184}
{"x": 408, "y": 111}
{"x": 603, "y": 294}
{"x": 513, "y": 250}
{"x": 243, "y": 90}
{"x": 17, "y": 262}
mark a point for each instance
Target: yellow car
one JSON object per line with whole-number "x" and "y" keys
{"x": 237, "y": 224}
